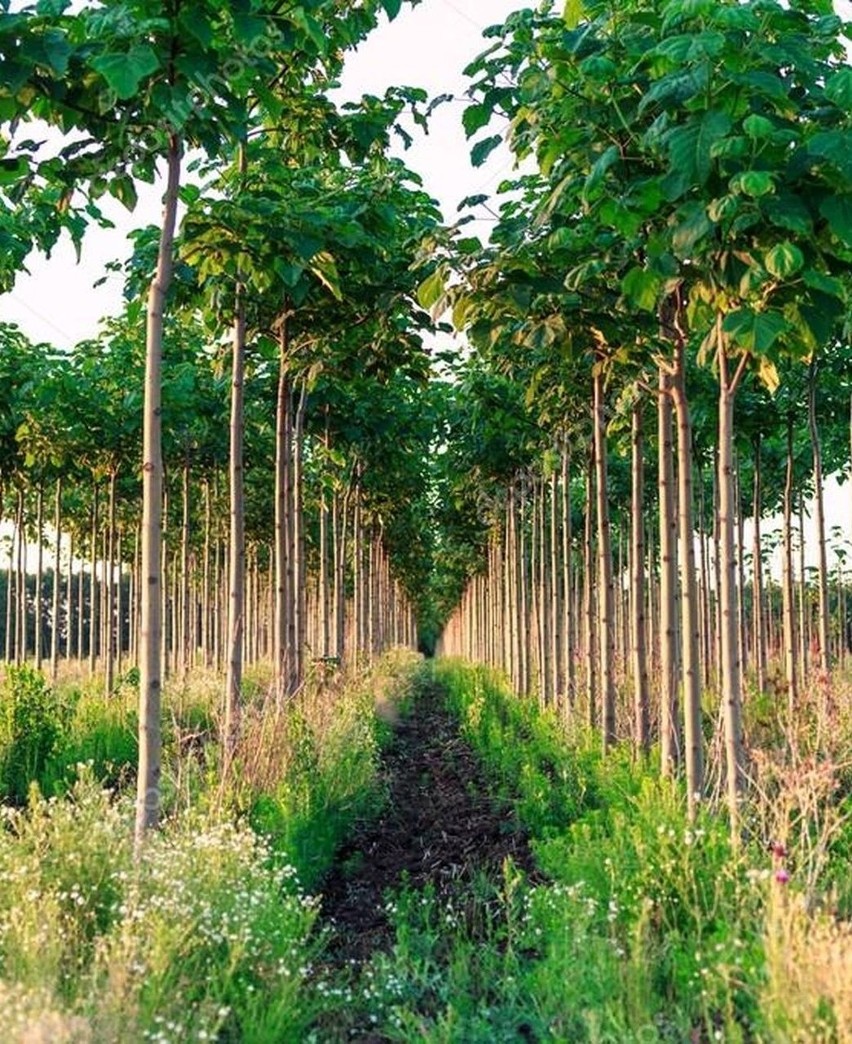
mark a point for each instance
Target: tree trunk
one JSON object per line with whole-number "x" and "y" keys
{"x": 109, "y": 628}
{"x": 694, "y": 752}
{"x": 589, "y": 613}
{"x": 606, "y": 584}
{"x": 637, "y": 588}
{"x": 824, "y": 619}
{"x": 57, "y": 577}
{"x": 731, "y": 689}
{"x": 758, "y": 615}
{"x": 237, "y": 542}
{"x": 150, "y": 741}
{"x": 39, "y": 579}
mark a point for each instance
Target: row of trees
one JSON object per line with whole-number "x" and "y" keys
{"x": 291, "y": 267}
{"x": 690, "y": 209}
{"x": 678, "y": 261}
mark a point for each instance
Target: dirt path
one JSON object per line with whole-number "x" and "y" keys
{"x": 439, "y": 827}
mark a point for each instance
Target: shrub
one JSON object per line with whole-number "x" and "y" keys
{"x": 32, "y": 719}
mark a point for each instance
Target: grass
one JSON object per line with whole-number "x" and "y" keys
{"x": 641, "y": 926}
{"x": 211, "y": 934}
{"x": 644, "y": 926}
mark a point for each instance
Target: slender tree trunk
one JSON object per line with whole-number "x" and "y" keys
{"x": 282, "y": 516}
{"x": 568, "y": 619}
{"x": 55, "y": 629}
{"x": 39, "y": 579}
{"x": 591, "y": 656}
{"x": 94, "y": 588}
{"x": 237, "y": 543}
{"x": 300, "y": 573}
{"x": 694, "y": 752}
{"x": 824, "y": 611}
{"x": 109, "y": 629}
{"x": 185, "y": 596}
{"x": 150, "y": 742}
{"x": 730, "y": 666}
{"x": 20, "y": 584}
{"x": 759, "y": 616}
{"x": 206, "y": 643}
{"x": 641, "y": 700}
{"x": 606, "y": 584}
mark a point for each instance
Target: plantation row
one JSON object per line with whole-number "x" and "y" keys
{"x": 640, "y": 923}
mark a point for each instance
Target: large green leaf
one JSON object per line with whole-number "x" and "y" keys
{"x": 642, "y": 287}
{"x": 839, "y": 89}
{"x": 431, "y": 290}
{"x": 691, "y": 146}
{"x": 693, "y": 224}
{"x": 834, "y": 146}
{"x": 574, "y": 13}
{"x": 784, "y": 260}
{"x": 755, "y": 331}
{"x": 125, "y": 72}
{"x": 837, "y": 210}
{"x": 483, "y": 149}
{"x": 475, "y": 117}
{"x": 392, "y": 8}
{"x": 754, "y": 183}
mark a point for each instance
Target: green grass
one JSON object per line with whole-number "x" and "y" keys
{"x": 647, "y": 927}
{"x": 211, "y": 935}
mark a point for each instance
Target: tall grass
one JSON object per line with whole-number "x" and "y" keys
{"x": 211, "y": 933}
{"x": 651, "y": 927}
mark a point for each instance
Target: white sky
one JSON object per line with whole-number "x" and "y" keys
{"x": 427, "y": 46}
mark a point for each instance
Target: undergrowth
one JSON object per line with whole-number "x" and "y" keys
{"x": 641, "y": 925}
{"x": 210, "y": 935}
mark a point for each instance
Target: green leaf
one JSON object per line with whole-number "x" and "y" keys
{"x": 691, "y": 146}
{"x": 642, "y": 288}
{"x": 483, "y": 149}
{"x": 324, "y": 267}
{"x": 789, "y": 212}
{"x": 574, "y": 13}
{"x": 124, "y": 72}
{"x": 722, "y": 209}
{"x": 826, "y": 284}
{"x": 123, "y": 188}
{"x": 758, "y": 127}
{"x": 833, "y": 146}
{"x": 392, "y": 8}
{"x": 192, "y": 19}
{"x": 838, "y": 88}
{"x": 753, "y": 183}
{"x": 475, "y": 117}
{"x": 13, "y": 169}
{"x": 694, "y": 224}
{"x": 431, "y": 290}
{"x": 784, "y": 260}
{"x": 837, "y": 211}
{"x": 755, "y": 331}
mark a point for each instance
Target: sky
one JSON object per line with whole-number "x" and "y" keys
{"x": 427, "y": 46}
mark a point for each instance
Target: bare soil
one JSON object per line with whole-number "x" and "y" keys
{"x": 438, "y": 827}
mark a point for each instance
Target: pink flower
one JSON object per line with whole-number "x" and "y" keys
{"x": 777, "y": 849}
{"x": 781, "y": 875}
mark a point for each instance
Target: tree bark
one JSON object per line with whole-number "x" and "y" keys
{"x": 150, "y": 737}
{"x": 606, "y": 584}
{"x": 824, "y": 620}
{"x": 731, "y": 687}
{"x": 57, "y": 577}
{"x": 237, "y": 541}
{"x": 641, "y": 701}
{"x": 694, "y": 752}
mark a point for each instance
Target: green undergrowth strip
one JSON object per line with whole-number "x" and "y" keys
{"x": 212, "y": 934}
{"x": 647, "y": 927}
